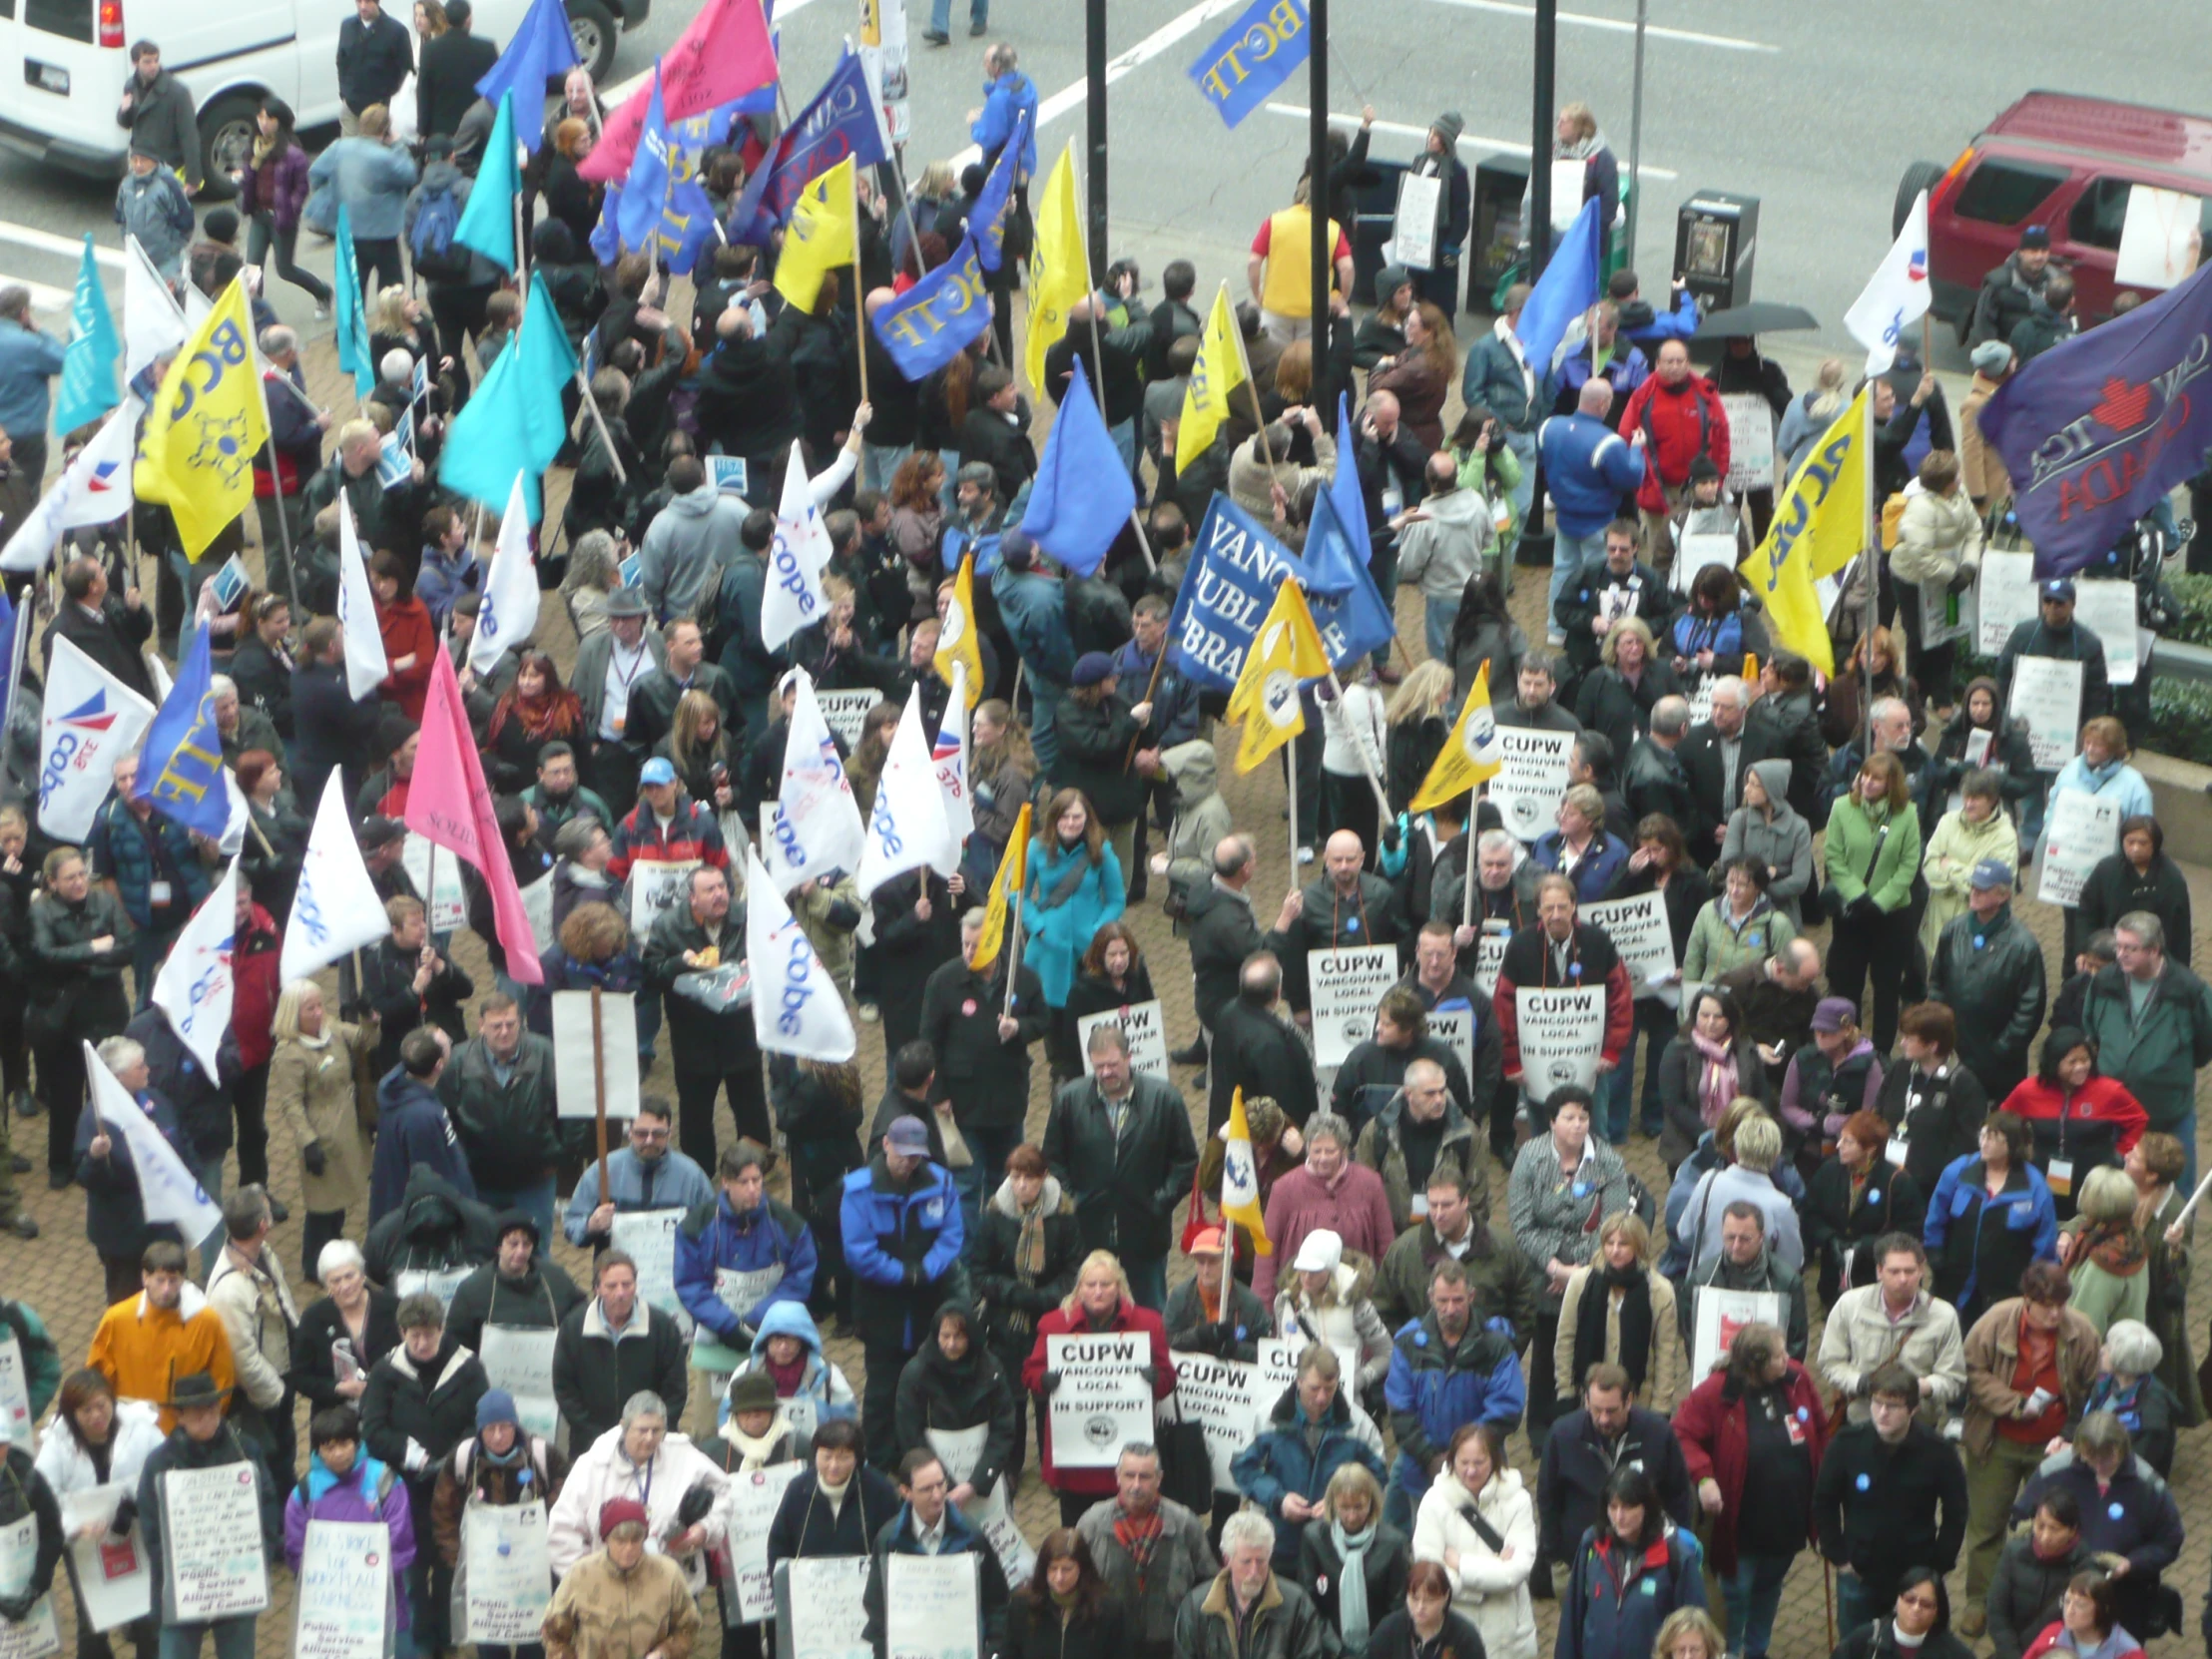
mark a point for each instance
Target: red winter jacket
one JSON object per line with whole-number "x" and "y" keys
{"x": 405, "y": 626}
{"x": 255, "y": 983}
{"x": 1677, "y": 423}
{"x": 1716, "y": 1445}
{"x": 1130, "y": 1317}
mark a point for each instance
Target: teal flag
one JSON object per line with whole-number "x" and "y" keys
{"x": 352, "y": 320}
{"x": 88, "y": 367}
{"x": 488, "y": 221}
{"x": 512, "y": 423}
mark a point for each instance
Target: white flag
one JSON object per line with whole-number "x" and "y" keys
{"x": 813, "y": 825}
{"x": 797, "y": 1008}
{"x": 795, "y": 560}
{"x": 1897, "y": 296}
{"x": 950, "y": 761}
{"x": 366, "y": 666}
{"x": 168, "y": 1190}
{"x": 336, "y": 908}
{"x": 510, "y": 608}
{"x": 908, "y": 829}
{"x": 90, "y": 721}
{"x": 153, "y": 324}
{"x": 232, "y": 841}
{"x": 95, "y": 488}
{"x": 195, "y": 986}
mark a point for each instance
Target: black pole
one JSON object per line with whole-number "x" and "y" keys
{"x": 1317, "y": 200}
{"x": 1094, "y": 32}
{"x": 1539, "y": 145}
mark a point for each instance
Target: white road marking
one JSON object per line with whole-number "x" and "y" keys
{"x": 1620, "y": 26}
{"x": 621, "y": 90}
{"x": 69, "y": 248}
{"x": 1472, "y": 140}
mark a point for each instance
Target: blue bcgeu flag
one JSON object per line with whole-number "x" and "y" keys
{"x": 88, "y": 388}
{"x": 987, "y": 218}
{"x": 1083, "y": 494}
{"x": 180, "y": 767}
{"x": 345, "y": 304}
{"x": 938, "y": 317}
{"x": 1252, "y": 57}
{"x": 543, "y": 50}
{"x": 1569, "y": 287}
{"x": 1340, "y": 590}
{"x": 659, "y": 205}
{"x": 840, "y": 122}
{"x": 2096, "y": 430}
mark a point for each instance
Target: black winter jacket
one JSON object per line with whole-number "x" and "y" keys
{"x": 594, "y": 1375}
{"x": 538, "y": 1300}
{"x": 181, "y": 1452}
{"x": 972, "y": 1391}
{"x": 1012, "y": 1303}
{"x": 1890, "y": 1521}
{"x": 432, "y": 1405}
{"x": 805, "y": 1526}
{"x": 700, "y": 1041}
{"x": 986, "y": 1079}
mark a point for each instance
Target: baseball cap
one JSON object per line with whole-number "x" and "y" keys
{"x": 2035, "y": 236}
{"x": 1832, "y": 1013}
{"x": 2060, "y": 587}
{"x": 907, "y": 1137}
{"x": 658, "y": 770}
{"x": 1093, "y": 668}
{"x": 1319, "y": 1252}
{"x": 1990, "y": 872}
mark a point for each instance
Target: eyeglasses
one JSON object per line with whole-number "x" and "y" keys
{"x": 641, "y": 1134}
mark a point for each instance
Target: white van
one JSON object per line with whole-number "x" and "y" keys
{"x": 75, "y": 56}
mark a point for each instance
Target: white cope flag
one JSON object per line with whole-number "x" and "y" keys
{"x": 90, "y": 721}
{"x": 1897, "y": 296}
{"x": 168, "y": 1190}
{"x": 949, "y": 759}
{"x": 797, "y": 1008}
{"x": 907, "y": 829}
{"x": 813, "y": 825}
{"x": 195, "y": 986}
{"x": 232, "y": 841}
{"x": 153, "y": 324}
{"x": 95, "y": 488}
{"x": 336, "y": 908}
{"x": 795, "y": 560}
{"x": 510, "y": 608}
{"x": 366, "y": 666}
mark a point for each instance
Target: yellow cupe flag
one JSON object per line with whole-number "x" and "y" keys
{"x": 819, "y": 238}
{"x": 1821, "y": 524}
{"x": 1240, "y": 1178}
{"x": 1468, "y": 755}
{"x": 1220, "y": 369}
{"x": 205, "y": 427}
{"x": 1059, "y": 270}
{"x": 956, "y": 643}
{"x": 1286, "y": 652}
{"x": 1006, "y": 886}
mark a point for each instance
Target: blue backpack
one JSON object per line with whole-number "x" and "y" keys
{"x": 431, "y": 242}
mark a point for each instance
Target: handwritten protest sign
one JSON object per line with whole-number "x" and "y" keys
{"x": 575, "y": 1085}
{"x": 211, "y": 1524}
{"x": 650, "y": 1238}
{"x": 754, "y": 1499}
{"x": 345, "y": 1591}
{"x": 2046, "y": 693}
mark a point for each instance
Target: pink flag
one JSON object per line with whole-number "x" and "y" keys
{"x": 723, "y": 54}
{"x": 448, "y": 803}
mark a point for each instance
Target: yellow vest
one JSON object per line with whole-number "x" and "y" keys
{"x": 1286, "y": 285}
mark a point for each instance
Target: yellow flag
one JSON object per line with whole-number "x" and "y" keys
{"x": 1468, "y": 755}
{"x": 1820, "y": 525}
{"x": 819, "y": 238}
{"x": 1751, "y": 669}
{"x": 956, "y": 644}
{"x": 206, "y": 426}
{"x": 1286, "y": 651}
{"x": 1220, "y": 369}
{"x": 1240, "y": 1178}
{"x": 1006, "y": 886}
{"x": 1059, "y": 270}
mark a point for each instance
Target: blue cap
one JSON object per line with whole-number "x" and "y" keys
{"x": 496, "y": 1405}
{"x": 1093, "y": 668}
{"x": 658, "y": 770}
{"x": 1991, "y": 872}
{"x": 2060, "y": 587}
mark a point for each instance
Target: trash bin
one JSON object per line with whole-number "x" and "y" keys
{"x": 1715, "y": 234}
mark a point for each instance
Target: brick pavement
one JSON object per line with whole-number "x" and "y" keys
{"x": 59, "y": 1276}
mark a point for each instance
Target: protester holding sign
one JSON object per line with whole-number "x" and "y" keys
{"x": 743, "y": 1252}
{"x": 2140, "y": 877}
{"x": 91, "y": 1458}
{"x": 347, "y": 1485}
{"x": 520, "y": 1293}
{"x": 952, "y": 1385}
{"x": 502, "y": 1468}
{"x": 1560, "y": 953}
{"x": 931, "y": 1527}
{"x": 209, "y": 1580}
{"x": 684, "y": 1493}
{"x": 2053, "y": 634}
{"x": 28, "y": 1506}
{"x": 1100, "y": 1307}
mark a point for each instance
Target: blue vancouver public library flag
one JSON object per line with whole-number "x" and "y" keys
{"x": 1252, "y": 57}
{"x": 180, "y": 767}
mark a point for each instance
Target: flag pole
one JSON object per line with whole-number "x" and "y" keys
{"x": 591, "y": 405}
{"x": 1290, "y": 771}
{"x": 1367, "y": 762}
{"x": 1466, "y": 897}
{"x": 18, "y": 652}
{"x": 599, "y": 1087}
{"x": 275, "y": 481}
{"x": 860, "y": 298}
{"x": 1873, "y": 591}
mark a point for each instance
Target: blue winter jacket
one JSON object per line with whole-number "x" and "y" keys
{"x": 1436, "y": 1386}
{"x": 1279, "y": 1463}
{"x": 883, "y": 1230}
{"x": 1033, "y": 609}
{"x": 1003, "y": 100}
{"x": 1492, "y": 379}
{"x": 1961, "y": 1202}
{"x": 1599, "y": 869}
{"x": 120, "y": 849}
{"x": 1615, "y": 1608}
{"x": 412, "y": 1129}
{"x": 672, "y": 1182}
{"x": 1588, "y": 467}
{"x": 715, "y": 1236}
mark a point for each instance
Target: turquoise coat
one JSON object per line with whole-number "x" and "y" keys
{"x": 1057, "y": 937}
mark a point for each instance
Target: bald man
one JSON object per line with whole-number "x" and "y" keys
{"x": 1347, "y": 905}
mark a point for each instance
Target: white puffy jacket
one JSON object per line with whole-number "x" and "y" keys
{"x": 605, "y": 1472}
{"x": 1488, "y": 1589}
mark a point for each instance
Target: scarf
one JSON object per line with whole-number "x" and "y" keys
{"x": 1634, "y": 1315}
{"x": 754, "y": 1453}
{"x": 321, "y": 1039}
{"x": 554, "y": 714}
{"x": 1138, "y": 1539}
{"x": 2116, "y": 1247}
{"x": 788, "y": 1378}
{"x": 1029, "y": 1244}
{"x": 1351, "y": 1582}
{"x": 2124, "y": 1404}
{"x": 1716, "y": 1085}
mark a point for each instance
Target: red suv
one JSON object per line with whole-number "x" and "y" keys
{"x": 2060, "y": 161}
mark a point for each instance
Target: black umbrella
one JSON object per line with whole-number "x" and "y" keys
{"x": 1759, "y": 317}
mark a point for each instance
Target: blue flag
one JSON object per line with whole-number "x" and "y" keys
{"x": 987, "y": 218}
{"x": 542, "y": 51}
{"x": 661, "y": 204}
{"x": 512, "y": 423}
{"x": 345, "y": 303}
{"x": 180, "y": 767}
{"x": 1252, "y": 57}
{"x": 938, "y": 317}
{"x": 488, "y": 218}
{"x": 1348, "y": 607}
{"x": 1570, "y": 285}
{"x": 840, "y": 122}
{"x": 2096, "y": 430}
{"x": 1082, "y": 495}
{"x": 1231, "y": 582}
{"x": 88, "y": 367}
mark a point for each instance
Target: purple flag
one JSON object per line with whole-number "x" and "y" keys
{"x": 2095, "y": 431}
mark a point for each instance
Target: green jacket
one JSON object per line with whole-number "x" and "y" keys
{"x": 1717, "y": 944}
{"x": 1892, "y": 848}
{"x": 2158, "y": 1056}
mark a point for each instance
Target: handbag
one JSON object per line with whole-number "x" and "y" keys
{"x": 1186, "y": 1465}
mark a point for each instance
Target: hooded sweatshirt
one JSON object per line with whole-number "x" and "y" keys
{"x": 821, "y": 1391}
{"x": 1443, "y": 549}
{"x": 1784, "y": 842}
{"x": 412, "y": 1129}
{"x": 1201, "y": 816}
{"x": 688, "y": 545}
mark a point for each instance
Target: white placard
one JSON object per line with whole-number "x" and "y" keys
{"x": 1750, "y": 441}
{"x": 1229, "y": 1397}
{"x": 929, "y": 1606}
{"x": 1568, "y": 174}
{"x": 2081, "y": 831}
{"x": 649, "y": 1236}
{"x": 2108, "y": 609}
{"x": 741, "y": 1292}
{"x": 1639, "y": 931}
{"x": 439, "y": 1282}
{"x": 845, "y": 712}
{"x": 1414, "y": 229}
{"x": 754, "y": 1496}
{"x": 2046, "y": 693}
{"x": 1531, "y": 779}
{"x": 833, "y": 1590}
{"x": 506, "y": 1573}
{"x": 1945, "y": 615}
{"x": 1720, "y": 1314}
{"x": 113, "y": 1576}
{"x": 1700, "y": 548}
{"x": 537, "y": 906}
{"x": 1456, "y": 1027}
{"x": 2158, "y": 238}
{"x": 345, "y": 1591}
{"x": 1489, "y": 959}
{"x": 211, "y": 1535}
{"x": 15, "y": 1395}
{"x": 2005, "y": 597}
{"x": 449, "y": 905}
{"x": 575, "y": 1088}
{"x": 1143, "y": 1024}
{"x": 657, "y": 887}
{"x": 520, "y": 1360}
{"x": 959, "y": 1450}
{"x": 1562, "y": 1037}
{"x": 37, "y": 1637}
{"x": 1101, "y": 1400}
{"x": 1345, "y": 985}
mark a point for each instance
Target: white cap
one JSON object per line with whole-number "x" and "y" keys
{"x": 1319, "y": 1253}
